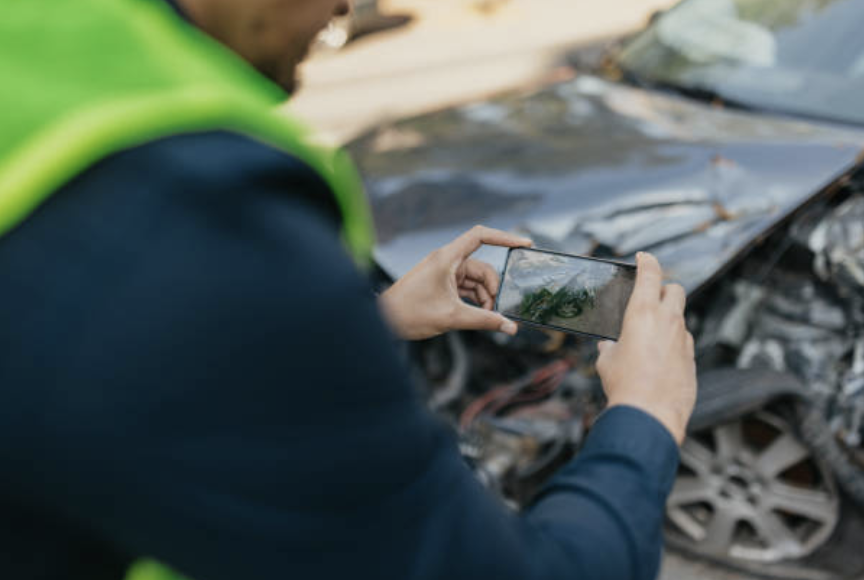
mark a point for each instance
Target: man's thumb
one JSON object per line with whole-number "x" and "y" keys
{"x": 472, "y": 318}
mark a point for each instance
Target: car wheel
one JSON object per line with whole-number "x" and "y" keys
{"x": 749, "y": 491}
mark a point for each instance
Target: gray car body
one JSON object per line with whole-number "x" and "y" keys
{"x": 589, "y": 166}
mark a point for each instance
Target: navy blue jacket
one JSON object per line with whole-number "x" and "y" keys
{"x": 193, "y": 370}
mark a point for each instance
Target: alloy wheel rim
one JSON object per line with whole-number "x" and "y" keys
{"x": 750, "y": 490}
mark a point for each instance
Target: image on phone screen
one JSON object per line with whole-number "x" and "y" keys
{"x": 563, "y": 292}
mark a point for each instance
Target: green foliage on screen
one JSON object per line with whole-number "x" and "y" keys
{"x": 543, "y": 305}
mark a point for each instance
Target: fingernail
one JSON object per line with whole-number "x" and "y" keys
{"x": 509, "y": 327}
{"x": 527, "y": 241}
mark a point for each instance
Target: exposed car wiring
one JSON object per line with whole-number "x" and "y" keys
{"x": 535, "y": 386}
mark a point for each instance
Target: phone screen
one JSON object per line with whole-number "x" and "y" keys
{"x": 569, "y": 293}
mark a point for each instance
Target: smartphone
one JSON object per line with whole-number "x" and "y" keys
{"x": 563, "y": 292}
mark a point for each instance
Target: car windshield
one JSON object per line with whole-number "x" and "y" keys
{"x": 802, "y": 57}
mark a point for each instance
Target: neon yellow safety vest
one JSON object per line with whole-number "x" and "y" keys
{"x": 82, "y": 79}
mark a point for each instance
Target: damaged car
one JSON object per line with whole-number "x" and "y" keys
{"x": 726, "y": 138}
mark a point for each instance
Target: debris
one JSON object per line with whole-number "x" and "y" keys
{"x": 763, "y": 353}
{"x": 838, "y": 243}
{"x": 734, "y": 327}
{"x": 851, "y": 400}
{"x": 812, "y": 323}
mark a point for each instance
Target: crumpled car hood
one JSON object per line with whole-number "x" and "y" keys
{"x": 590, "y": 166}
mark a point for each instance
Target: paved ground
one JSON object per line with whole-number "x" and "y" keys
{"x": 677, "y": 568}
{"x": 455, "y": 51}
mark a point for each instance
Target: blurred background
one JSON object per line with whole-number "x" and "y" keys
{"x": 412, "y": 56}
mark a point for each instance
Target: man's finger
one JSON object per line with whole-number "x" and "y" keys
{"x": 470, "y": 241}
{"x": 483, "y": 273}
{"x": 604, "y": 349}
{"x": 469, "y": 294}
{"x": 485, "y": 299}
{"x": 470, "y": 318}
{"x": 673, "y": 296}
{"x": 649, "y": 279}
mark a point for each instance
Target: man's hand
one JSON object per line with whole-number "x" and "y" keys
{"x": 652, "y": 366}
{"x": 427, "y": 301}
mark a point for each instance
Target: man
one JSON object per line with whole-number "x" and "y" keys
{"x": 194, "y": 371}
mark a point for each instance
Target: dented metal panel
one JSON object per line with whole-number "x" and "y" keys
{"x": 594, "y": 167}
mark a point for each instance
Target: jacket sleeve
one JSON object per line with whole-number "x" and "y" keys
{"x": 236, "y": 408}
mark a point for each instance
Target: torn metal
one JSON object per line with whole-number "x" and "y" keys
{"x": 808, "y": 321}
{"x": 838, "y": 243}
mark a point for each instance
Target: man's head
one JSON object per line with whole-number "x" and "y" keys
{"x": 273, "y": 35}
